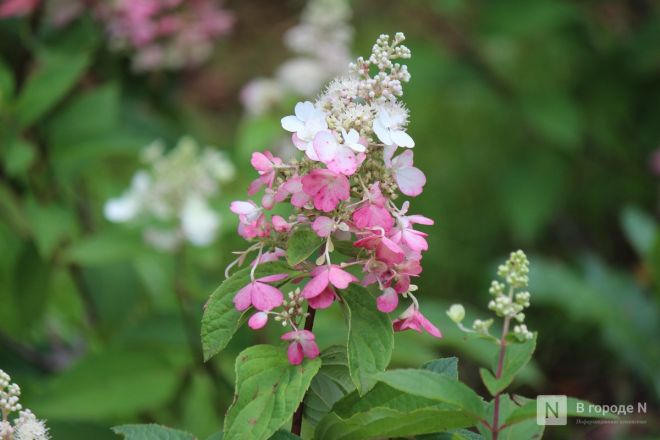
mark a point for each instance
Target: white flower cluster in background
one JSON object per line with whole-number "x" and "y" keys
{"x": 321, "y": 44}
{"x": 26, "y": 426}
{"x": 171, "y": 195}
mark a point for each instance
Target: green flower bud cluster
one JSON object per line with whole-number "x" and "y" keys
{"x": 508, "y": 303}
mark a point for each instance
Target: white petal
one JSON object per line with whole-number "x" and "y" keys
{"x": 402, "y": 139}
{"x": 292, "y": 124}
{"x": 382, "y": 132}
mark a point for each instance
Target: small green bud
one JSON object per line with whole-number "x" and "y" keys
{"x": 456, "y": 313}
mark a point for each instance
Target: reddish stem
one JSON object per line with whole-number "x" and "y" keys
{"x": 500, "y": 365}
{"x": 296, "y": 423}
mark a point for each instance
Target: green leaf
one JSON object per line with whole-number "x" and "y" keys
{"x": 129, "y": 382}
{"x": 102, "y": 249}
{"x": 301, "y": 244}
{"x": 20, "y": 155}
{"x": 528, "y": 411}
{"x": 370, "y": 337}
{"x": 284, "y": 435}
{"x": 221, "y": 319}
{"x": 640, "y": 229}
{"x": 458, "y": 434}
{"x": 517, "y": 355}
{"x": 389, "y": 412}
{"x": 268, "y": 391}
{"x": 151, "y": 432}
{"x": 437, "y": 387}
{"x": 55, "y": 76}
{"x": 447, "y": 366}
{"x": 99, "y": 109}
{"x": 331, "y": 384}
{"x": 7, "y": 83}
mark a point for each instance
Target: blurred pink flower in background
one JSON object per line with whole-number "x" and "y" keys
{"x": 17, "y": 8}
{"x": 654, "y": 162}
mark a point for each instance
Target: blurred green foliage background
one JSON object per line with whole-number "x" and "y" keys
{"x": 535, "y": 123}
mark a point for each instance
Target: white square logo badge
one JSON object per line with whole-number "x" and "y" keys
{"x": 551, "y": 410}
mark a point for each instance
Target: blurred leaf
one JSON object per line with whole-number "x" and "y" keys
{"x": 51, "y": 225}
{"x": 370, "y": 337}
{"x": 101, "y": 249}
{"x": 55, "y": 76}
{"x": 86, "y": 117}
{"x": 12, "y": 213}
{"x": 128, "y": 382}
{"x": 268, "y": 391}
{"x": 19, "y": 156}
{"x": 301, "y": 244}
{"x": 151, "y": 432}
{"x": 517, "y": 355}
{"x": 31, "y": 286}
{"x": 255, "y": 134}
{"x": 640, "y": 228}
{"x": 601, "y": 296}
{"x": 556, "y": 117}
{"x": 221, "y": 319}
{"x": 7, "y": 84}
{"x": 330, "y": 384}
{"x": 198, "y": 411}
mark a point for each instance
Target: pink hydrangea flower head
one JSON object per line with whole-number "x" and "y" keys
{"x": 326, "y": 188}
{"x": 412, "y": 319}
{"x": 262, "y": 296}
{"x": 302, "y": 346}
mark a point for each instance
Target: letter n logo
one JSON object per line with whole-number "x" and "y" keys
{"x": 551, "y": 410}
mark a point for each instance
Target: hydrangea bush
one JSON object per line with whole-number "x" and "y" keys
{"x": 331, "y": 226}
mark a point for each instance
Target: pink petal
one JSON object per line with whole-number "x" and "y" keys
{"x": 243, "y": 299}
{"x": 242, "y": 208}
{"x": 326, "y": 188}
{"x": 255, "y": 186}
{"x": 340, "y": 278}
{"x": 430, "y": 328}
{"x": 265, "y": 297}
{"x": 410, "y": 180}
{"x": 289, "y": 336}
{"x": 344, "y": 161}
{"x": 280, "y": 225}
{"x": 322, "y": 300}
{"x": 403, "y": 160}
{"x": 323, "y": 226}
{"x": 388, "y": 301}
{"x": 258, "y": 320}
{"x": 295, "y": 353}
{"x": 371, "y": 215}
{"x": 272, "y": 278}
{"x": 414, "y": 241}
{"x": 325, "y": 145}
{"x": 316, "y": 285}
{"x": 420, "y": 219}
{"x": 261, "y": 162}
{"x": 310, "y": 349}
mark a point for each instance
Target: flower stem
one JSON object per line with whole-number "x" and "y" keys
{"x": 498, "y": 374}
{"x": 296, "y": 423}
